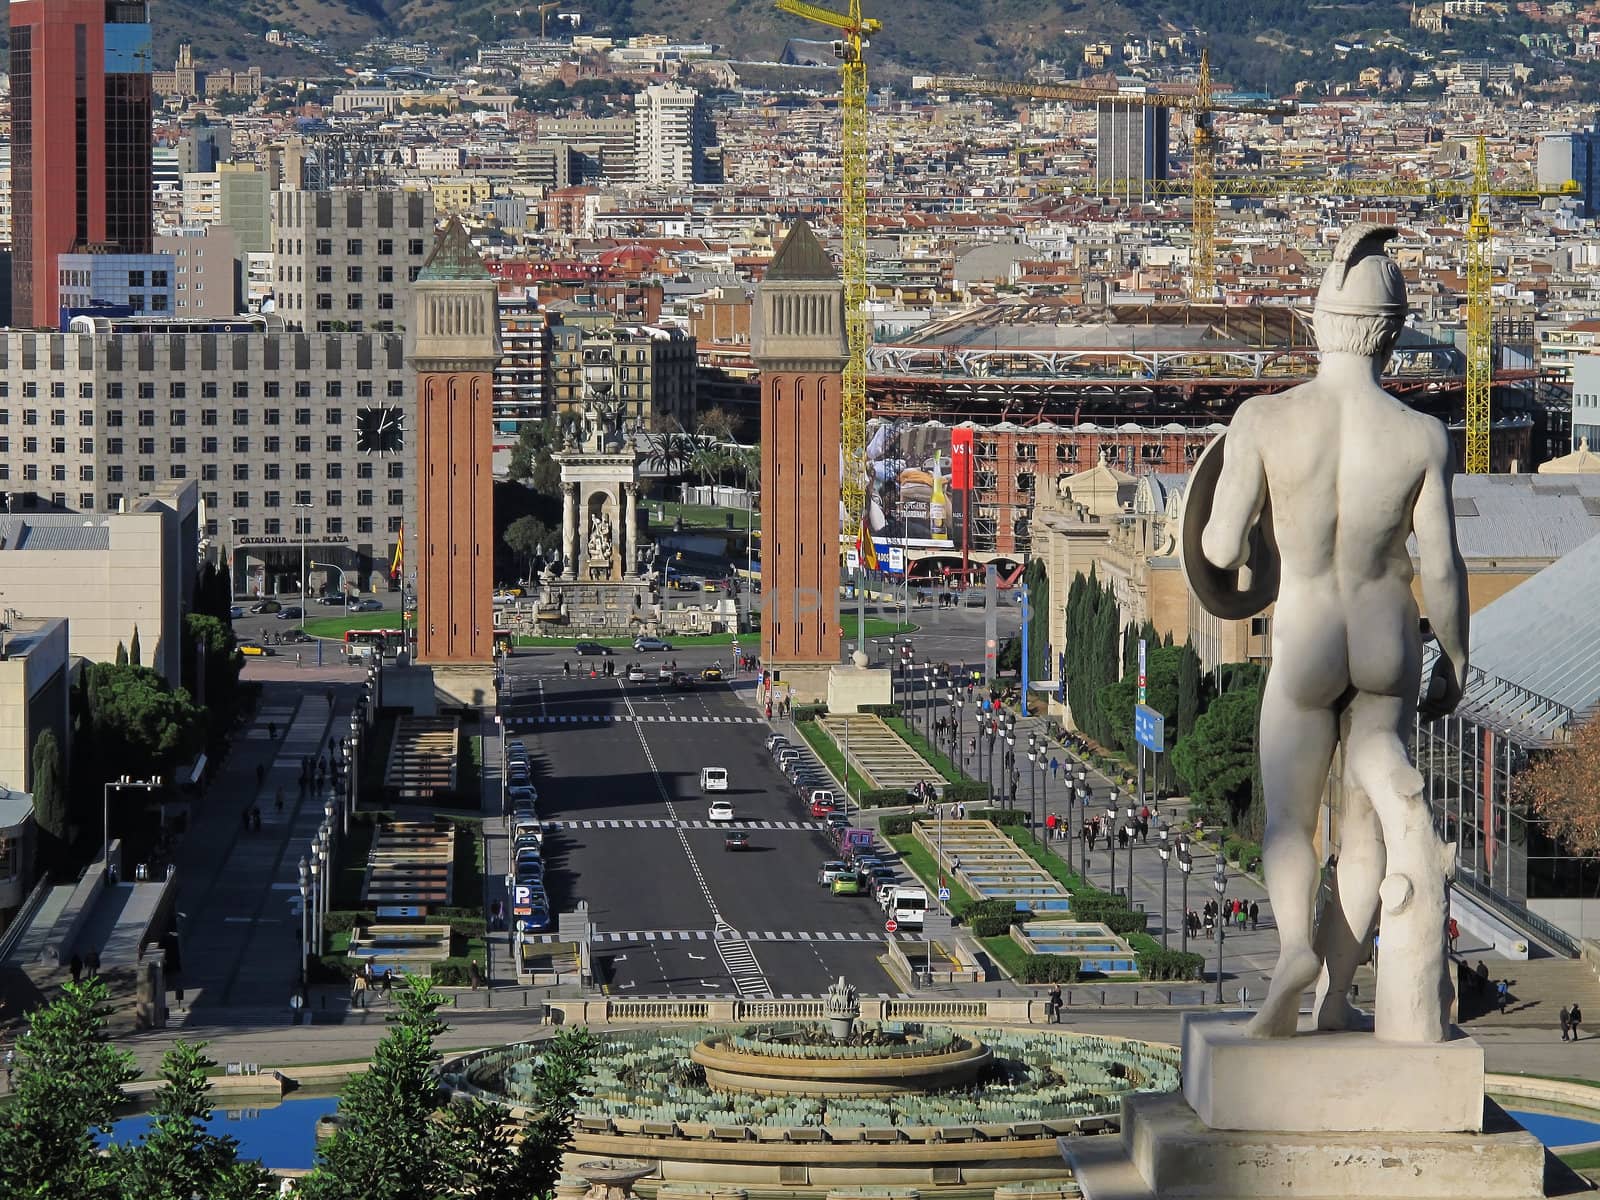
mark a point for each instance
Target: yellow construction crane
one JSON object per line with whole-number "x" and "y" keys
{"x": 544, "y": 15}
{"x": 1202, "y": 172}
{"x": 854, "y": 31}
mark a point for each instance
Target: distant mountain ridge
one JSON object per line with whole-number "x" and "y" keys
{"x": 1262, "y": 45}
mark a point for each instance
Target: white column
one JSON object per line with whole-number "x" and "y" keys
{"x": 569, "y": 529}
{"x": 630, "y": 497}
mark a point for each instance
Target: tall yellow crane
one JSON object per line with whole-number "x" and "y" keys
{"x": 855, "y": 31}
{"x": 1200, "y": 105}
{"x": 544, "y": 15}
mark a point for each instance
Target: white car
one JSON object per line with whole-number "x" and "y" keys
{"x": 721, "y": 810}
{"x": 713, "y": 779}
{"x": 637, "y": 674}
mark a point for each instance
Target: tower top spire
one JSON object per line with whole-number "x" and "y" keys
{"x": 453, "y": 256}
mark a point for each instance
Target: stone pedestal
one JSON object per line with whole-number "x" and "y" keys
{"x": 1322, "y": 1116}
{"x": 1345, "y": 1082}
{"x": 850, "y": 687}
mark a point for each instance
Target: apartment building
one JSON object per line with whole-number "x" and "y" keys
{"x": 344, "y": 259}
{"x": 519, "y": 377}
{"x": 589, "y": 355}
{"x": 672, "y": 135}
{"x": 273, "y": 424}
{"x": 207, "y": 277}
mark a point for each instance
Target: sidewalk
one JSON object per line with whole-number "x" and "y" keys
{"x": 239, "y": 890}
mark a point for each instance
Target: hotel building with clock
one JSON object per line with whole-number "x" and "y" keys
{"x": 287, "y": 433}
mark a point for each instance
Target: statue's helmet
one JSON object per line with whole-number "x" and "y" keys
{"x": 1363, "y": 281}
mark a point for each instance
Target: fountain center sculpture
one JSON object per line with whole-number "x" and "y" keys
{"x": 1310, "y": 499}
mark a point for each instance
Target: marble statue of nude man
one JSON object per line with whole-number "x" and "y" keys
{"x": 1340, "y": 474}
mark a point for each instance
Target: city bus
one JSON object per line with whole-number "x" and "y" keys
{"x": 387, "y": 642}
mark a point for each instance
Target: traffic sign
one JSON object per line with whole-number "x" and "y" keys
{"x": 1149, "y": 728}
{"x": 1142, "y": 696}
{"x": 890, "y": 925}
{"x": 944, "y": 894}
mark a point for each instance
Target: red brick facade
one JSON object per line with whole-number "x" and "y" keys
{"x": 455, "y": 509}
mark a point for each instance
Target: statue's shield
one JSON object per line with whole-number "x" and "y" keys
{"x": 1231, "y": 595}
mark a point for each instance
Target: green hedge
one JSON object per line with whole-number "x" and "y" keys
{"x": 965, "y": 791}
{"x": 896, "y": 825}
{"x": 878, "y": 710}
{"x": 1000, "y": 816}
{"x": 883, "y": 798}
{"x": 453, "y": 972}
{"x": 1170, "y": 965}
{"x": 985, "y": 927}
{"x": 808, "y": 712}
{"x": 1050, "y": 968}
{"x": 1243, "y": 853}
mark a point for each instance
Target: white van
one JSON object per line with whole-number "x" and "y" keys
{"x": 713, "y": 779}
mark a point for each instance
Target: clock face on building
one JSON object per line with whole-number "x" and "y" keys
{"x": 380, "y": 430}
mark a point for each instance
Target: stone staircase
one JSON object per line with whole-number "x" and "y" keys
{"x": 876, "y": 751}
{"x": 1540, "y": 988}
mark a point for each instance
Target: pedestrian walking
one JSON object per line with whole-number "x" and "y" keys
{"x": 10, "y": 1061}
{"x": 91, "y": 962}
{"x": 1255, "y": 916}
{"x": 76, "y": 967}
{"x": 255, "y": 818}
{"x": 1502, "y": 995}
{"x": 245, "y": 815}
{"x": 1481, "y": 973}
{"x": 277, "y": 802}
{"x": 272, "y": 730}
{"x": 1055, "y": 1004}
{"x": 1577, "y": 1018}
{"x": 1454, "y": 932}
{"x": 1566, "y": 1024}
{"x": 358, "y": 992}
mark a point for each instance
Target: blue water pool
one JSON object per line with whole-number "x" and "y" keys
{"x": 282, "y": 1136}
{"x": 1558, "y": 1131}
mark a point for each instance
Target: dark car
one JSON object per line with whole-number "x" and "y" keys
{"x": 589, "y": 649}
{"x": 297, "y": 635}
{"x": 682, "y": 681}
{"x": 736, "y": 841}
{"x": 334, "y": 598}
{"x": 265, "y": 606}
{"x": 293, "y": 613}
{"x": 235, "y": 612}
{"x": 368, "y": 605}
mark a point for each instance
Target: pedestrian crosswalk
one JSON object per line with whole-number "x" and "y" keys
{"x": 665, "y": 824}
{"x": 641, "y": 718}
{"x": 617, "y": 937}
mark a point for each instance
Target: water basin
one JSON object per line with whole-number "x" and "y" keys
{"x": 281, "y": 1136}
{"x": 1555, "y": 1131}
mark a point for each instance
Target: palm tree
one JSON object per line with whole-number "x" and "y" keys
{"x": 670, "y": 451}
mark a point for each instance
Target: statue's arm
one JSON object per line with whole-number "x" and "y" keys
{"x": 1241, "y": 492}
{"x": 1444, "y": 576}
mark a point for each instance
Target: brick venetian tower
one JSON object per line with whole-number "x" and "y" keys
{"x": 798, "y": 343}
{"x": 455, "y": 331}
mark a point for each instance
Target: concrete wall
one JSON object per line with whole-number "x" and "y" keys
{"x": 22, "y": 678}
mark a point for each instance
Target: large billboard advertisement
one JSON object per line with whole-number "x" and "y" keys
{"x": 919, "y": 485}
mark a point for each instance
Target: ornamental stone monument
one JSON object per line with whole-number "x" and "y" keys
{"x": 1309, "y": 501}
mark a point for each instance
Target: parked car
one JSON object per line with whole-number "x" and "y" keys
{"x": 774, "y": 740}
{"x": 637, "y": 674}
{"x": 265, "y": 606}
{"x": 838, "y": 821}
{"x": 336, "y": 599}
{"x": 295, "y": 636}
{"x": 830, "y": 871}
{"x": 720, "y": 810}
{"x": 591, "y": 649}
{"x": 737, "y": 840}
{"x": 367, "y": 605}
{"x": 822, "y": 801}
{"x": 847, "y": 884}
{"x": 235, "y": 612}
{"x": 643, "y": 644}
{"x": 293, "y": 613}
{"x": 251, "y": 650}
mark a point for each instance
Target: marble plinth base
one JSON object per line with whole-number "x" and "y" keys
{"x": 466, "y": 684}
{"x": 850, "y": 688}
{"x": 1346, "y": 1082}
{"x": 802, "y": 683}
{"x": 1167, "y": 1153}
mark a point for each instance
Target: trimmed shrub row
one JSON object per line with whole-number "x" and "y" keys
{"x": 809, "y": 712}
{"x": 1170, "y": 965}
{"x": 1050, "y": 968}
{"x": 1243, "y": 853}
{"x": 883, "y": 798}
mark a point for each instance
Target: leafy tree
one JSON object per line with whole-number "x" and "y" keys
{"x": 133, "y": 649}
{"x": 386, "y": 1143}
{"x": 531, "y": 458}
{"x": 49, "y": 797}
{"x": 669, "y": 451}
{"x": 527, "y": 536}
{"x": 1218, "y": 759}
{"x": 1189, "y": 690}
{"x": 716, "y": 424}
{"x": 477, "y": 1148}
{"x": 180, "y": 1158}
{"x": 1563, "y": 787}
{"x": 66, "y": 1086}
{"x": 1037, "y": 582}
{"x": 209, "y": 641}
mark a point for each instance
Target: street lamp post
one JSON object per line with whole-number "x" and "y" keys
{"x": 316, "y": 897}
{"x": 302, "y": 524}
{"x": 1185, "y": 865}
{"x": 331, "y": 567}
{"x": 1219, "y": 880}
{"x": 305, "y": 917}
{"x": 1111, "y": 842}
{"x": 1166, "y": 856}
{"x": 1033, "y": 791}
{"x": 1069, "y": 822}
{"x": 1133, "y": 831}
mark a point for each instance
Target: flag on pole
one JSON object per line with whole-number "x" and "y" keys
{"x": 866, "y": 548}
{"x": 399, "y": 564}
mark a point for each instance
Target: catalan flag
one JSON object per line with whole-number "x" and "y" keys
{"x": 865, "y": 547}
{"x": 399, "y": 564}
